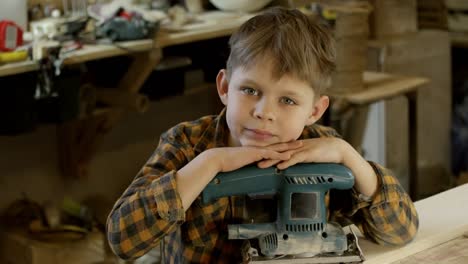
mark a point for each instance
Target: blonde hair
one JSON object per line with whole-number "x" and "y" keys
{"x": 298, "y": 45}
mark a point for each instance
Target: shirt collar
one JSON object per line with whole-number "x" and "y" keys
{"x": 216, "y": 134}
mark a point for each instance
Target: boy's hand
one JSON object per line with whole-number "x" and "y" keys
{"x": 192, "y": 178}
{"x": 232, "y": 158}
{"x": 330, "y": 150}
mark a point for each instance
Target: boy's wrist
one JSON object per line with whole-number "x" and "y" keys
{"x": 212, "y": 158}
{"x": 365, "y": 177}
{"x": 348, "y": 154}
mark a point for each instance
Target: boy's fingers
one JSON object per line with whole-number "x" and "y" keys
{"x": 274, "y": 155}
{"x": 286, "y": 164}
{"x": 280, "y": 147}
{"x": 296, "y": 158}
{"x": 267, "y": 163}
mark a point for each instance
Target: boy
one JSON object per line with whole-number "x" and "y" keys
{"x": 272, "y": 89}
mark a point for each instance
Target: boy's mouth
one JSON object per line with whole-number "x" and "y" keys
{"x": 258, "y": 134}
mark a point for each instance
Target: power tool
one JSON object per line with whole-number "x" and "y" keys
{"x": 300, "y": 233}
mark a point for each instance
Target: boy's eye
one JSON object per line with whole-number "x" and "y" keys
{"x": 249, "y": 91}
{"x": 288, "y": 101}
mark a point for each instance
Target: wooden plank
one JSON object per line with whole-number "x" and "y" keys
{"x": 381, "y": 86}
{"x": 18, "y": 67}
{"x": 454, "y": 252}
{"x": 391, "y": 87}
{"x": 87, "y": 53}
{"x": 378, "y": 254}
{"x": 442, "y": 217}
{"x": 102, "y": 51}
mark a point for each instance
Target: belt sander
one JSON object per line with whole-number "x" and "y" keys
{"x": 298, "y": 231}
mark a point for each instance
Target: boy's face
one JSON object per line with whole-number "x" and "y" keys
{"x": 262, "y": 110}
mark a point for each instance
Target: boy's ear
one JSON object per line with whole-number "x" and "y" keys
{"x": 320, "y": 106}
{"x": 222, "y": 85}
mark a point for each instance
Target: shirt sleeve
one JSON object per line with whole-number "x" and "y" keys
{"x": 389, "y": 217}
{"x": 150, "y": 207}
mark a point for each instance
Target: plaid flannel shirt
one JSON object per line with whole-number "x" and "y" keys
{"x": 150, "y": 209}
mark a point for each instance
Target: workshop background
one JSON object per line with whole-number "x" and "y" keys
{"x": 72, "y": 137}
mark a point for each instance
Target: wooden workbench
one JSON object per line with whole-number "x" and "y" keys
{"x": 216, "y": 24}
{"x": 443, "y": 218}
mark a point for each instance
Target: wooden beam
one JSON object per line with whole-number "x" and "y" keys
{"x": 142, "y": 66}
{"x": 124, "y": 99}
{"x": 77, "y": 143}
{"x": 382, "y": 87}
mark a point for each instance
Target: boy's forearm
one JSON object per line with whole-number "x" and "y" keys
{"x": 131, "y": 235}
{"x": 366, "y": 179}
{"x": 391, "y": 217}
{"x": 195, "y": 175}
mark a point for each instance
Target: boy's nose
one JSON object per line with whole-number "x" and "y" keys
{"x": 264, "y": 110}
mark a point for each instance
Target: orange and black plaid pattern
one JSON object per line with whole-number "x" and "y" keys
{"x": 150, "y": 210}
